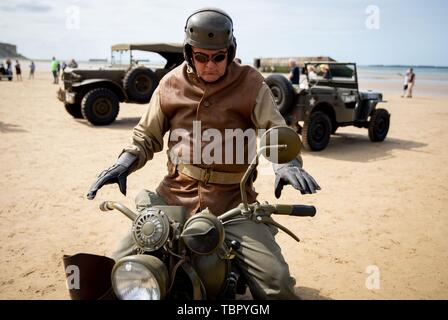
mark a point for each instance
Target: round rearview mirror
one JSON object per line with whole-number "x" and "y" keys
{"x": 283, "y": 144}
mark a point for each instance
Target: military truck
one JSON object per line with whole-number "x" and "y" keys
{"x": 95, "y": 94}
{"x": 328, "y": 98}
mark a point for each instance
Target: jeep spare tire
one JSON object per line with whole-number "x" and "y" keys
{"x": 139, "y": 84}
{"x": 283, "y": 92}
{"x": 379, "y": 125}
{"x": 100, "y": 106}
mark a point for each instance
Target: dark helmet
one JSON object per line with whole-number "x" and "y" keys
{"x": 209, "y": 28}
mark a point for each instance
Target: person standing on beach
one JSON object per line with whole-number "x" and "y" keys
{"x": 54, "y": 70}
{"x": 294, "y": 72}
{"x": 59, "y": 68}
{"x": 9, "y": 68}
{"x": 18, "y": 71}
{"x": 411, "y": 81}
{"x": 405, "y": 83}
{"x": 32, "y": 69}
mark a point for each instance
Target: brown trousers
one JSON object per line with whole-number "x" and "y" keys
{"x": 259, "y": 257}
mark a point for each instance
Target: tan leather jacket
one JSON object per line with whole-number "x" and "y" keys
{"x": 239, "y": 100}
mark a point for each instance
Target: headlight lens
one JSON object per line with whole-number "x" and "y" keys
{"x": 134, "y": 281}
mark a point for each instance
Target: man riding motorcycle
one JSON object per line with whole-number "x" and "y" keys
{"x": 210, "y": 90}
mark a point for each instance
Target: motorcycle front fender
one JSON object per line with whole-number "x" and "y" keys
{"x": 89, "y": 276}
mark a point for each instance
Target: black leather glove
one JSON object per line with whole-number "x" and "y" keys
{"x": 115, "y": 174}
{"x": 292, "y": 173}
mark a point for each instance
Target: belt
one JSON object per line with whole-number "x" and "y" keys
{"x": 207, "y": 175}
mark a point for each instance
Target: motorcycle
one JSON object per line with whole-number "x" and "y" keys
{"x": 181, "y": 257}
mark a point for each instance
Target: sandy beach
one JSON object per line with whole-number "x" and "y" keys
{"x": 382, "y": 210}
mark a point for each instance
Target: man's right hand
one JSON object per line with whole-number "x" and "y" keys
{"x": 118, "y": 173}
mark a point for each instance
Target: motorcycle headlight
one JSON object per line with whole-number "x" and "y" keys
{"x": 140, "y": 277}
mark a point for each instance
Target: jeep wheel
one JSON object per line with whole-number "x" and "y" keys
{"x": 316, "y": 131}
{"x": 100, "y": 106}
{"x": 74, "y": 110}
{"x": 379, "y": 125}
{"x": 283, "y": 92}
{"x": 139, "y": 84}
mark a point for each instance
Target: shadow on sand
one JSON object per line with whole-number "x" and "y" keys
{"x": 120, "y": 124}
{"x": 303, "y": 292}
{"x": 310, "y": 294}
{"x": 358, "y": 148}
{"x": 7, "y": 128}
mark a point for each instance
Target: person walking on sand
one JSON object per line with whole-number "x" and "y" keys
{"x": 405, "y": 83}
{"x": 411, "y": 81}
{"x": 54, "y": 70}
{"x": 18, "y": 71}
{"x": 8, "y": 64}
{"x": 9, "y": 68}
{"x": 408, "y": 83}
{"x": 32, "y": 69}
{"x": 59, "y": 68}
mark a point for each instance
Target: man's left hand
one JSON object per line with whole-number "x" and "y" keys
{"x": 295, "y": 176}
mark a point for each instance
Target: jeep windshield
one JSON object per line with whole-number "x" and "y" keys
{"x": 330, "y": 73}
{"x": 150, "y": 55}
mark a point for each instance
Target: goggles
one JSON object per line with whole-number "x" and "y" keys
{"x": 204, "y": 58}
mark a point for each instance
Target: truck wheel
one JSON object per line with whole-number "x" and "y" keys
{"x": 139, "y": 84}
{"x": 379, "y": 125}
{"x": 74, "y": 110}
{"x": 283, "y": 92}
{"x": 316, "y": 131}
{"x": 100, "y": 106}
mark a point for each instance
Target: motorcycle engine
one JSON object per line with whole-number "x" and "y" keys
{"x": 151, "y": 229}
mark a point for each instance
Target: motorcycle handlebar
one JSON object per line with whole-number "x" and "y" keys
{"x": 106, "y": 206}
{"x": 111, "y": 205}
{"x": 297, "y": 210}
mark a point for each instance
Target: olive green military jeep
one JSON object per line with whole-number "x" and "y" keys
{"x": 95, "y": 94}
{"x": 328, "y": 98}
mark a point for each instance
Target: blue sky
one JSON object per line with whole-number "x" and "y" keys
{"x": 367, "y": 32}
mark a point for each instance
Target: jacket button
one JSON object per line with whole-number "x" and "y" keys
{"x": 207, "y": 104}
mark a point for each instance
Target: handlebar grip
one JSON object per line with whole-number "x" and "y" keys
{"x": 297, "y": 210}
{"x": 303, "y": 211}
